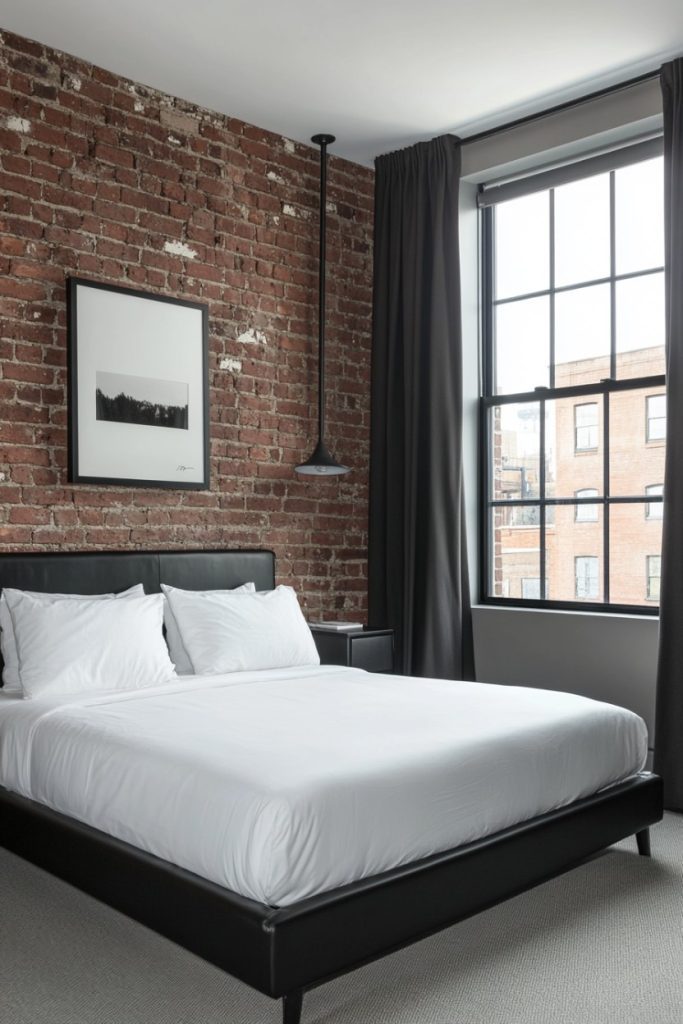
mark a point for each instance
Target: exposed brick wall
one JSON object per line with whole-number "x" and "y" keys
{"x": 116, "y": 182}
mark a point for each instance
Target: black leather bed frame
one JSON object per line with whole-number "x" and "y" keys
{"x": 283, "y": 952}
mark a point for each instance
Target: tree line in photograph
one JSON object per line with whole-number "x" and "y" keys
{"x": 124, "y": 409}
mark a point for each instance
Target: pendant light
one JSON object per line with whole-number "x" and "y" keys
{"x": 321, "y": 462}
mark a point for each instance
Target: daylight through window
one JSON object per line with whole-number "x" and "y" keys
{"x": 574, "y": 403}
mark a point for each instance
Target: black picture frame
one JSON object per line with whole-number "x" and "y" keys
{"x": 121, "y": 337}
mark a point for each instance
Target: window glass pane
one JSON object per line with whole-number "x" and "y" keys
{"x": 522, "y": 245}
{"x": 656, "y": 418}
{"x": 640, "y": 326}
{"x": 515, "y": 440}
{"x": 654, "y": 509}
{"x": 654, "y": 575}
{"x": 634, "y": 462}
{"x": 568, "y": 469}
{"x": 565, "y": 542}
{"x": 515, "y": 549}
{"x": 639, "y": 227}
{"x": 582, "y": 230}
{"x": 633, "y": 539}
{"x": 522, "y": 346}
{"x": 582, "y": 335}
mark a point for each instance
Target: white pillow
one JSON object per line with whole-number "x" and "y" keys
{"x": 179, "y": 655}
{"x": 234, "y": 632}
{"x": 79, "y": 646}
{"x": 10, "y": 674}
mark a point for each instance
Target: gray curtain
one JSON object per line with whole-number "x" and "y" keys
{"x": 418, "y": 567}
{"x": 669, "y": 716}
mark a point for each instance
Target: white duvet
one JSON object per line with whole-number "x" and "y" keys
{"x": 283, "y": 784}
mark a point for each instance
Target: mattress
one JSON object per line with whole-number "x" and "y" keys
{"x": 282, "y": 784}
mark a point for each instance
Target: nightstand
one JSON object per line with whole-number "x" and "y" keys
{"x": 371, "y": 649}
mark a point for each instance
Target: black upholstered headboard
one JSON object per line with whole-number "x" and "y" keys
{"x": 102, "y": 572}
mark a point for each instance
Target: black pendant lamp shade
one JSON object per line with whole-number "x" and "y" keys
{"x": 321, "y": 462}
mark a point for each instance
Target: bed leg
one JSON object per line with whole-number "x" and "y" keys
{"x": 643, "y": 840}
{"x": 291, "y": 1007}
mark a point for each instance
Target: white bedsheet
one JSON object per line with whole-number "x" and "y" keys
{"x": 282, "y": 784}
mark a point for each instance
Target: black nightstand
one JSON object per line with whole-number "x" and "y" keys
{"x": 371, "y": 649}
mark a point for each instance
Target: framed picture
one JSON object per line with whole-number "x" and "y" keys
{"x": 138, "y": 388}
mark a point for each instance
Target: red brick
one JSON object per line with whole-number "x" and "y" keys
{"x": 30, "y": 516}
{"x": 16, "y": 535}
{"x": 130, "y": 192}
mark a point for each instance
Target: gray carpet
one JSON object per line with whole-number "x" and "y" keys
{"x": 601, "y": 945}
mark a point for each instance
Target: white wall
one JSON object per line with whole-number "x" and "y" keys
{"x": 608, "y": 657}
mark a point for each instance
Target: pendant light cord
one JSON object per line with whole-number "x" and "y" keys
{"x": 322, "y": 461}
{"x": 323, "y": 140}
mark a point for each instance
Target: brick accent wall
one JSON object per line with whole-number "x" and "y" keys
{"x": 114, "y": 181}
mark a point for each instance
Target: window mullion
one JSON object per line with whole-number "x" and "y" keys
{"x": 487, "y": 531}
{"x": 606, "y": 494}
{"x": 612, "y": 272}
{"x": 541, "y": 488}
{"x": 613, "y": 375}
{"x": 551, "y": 296}
{"x": 488, "y": 270}
{"x": 487, "y": 560}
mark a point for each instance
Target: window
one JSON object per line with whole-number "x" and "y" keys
{"x": 654, "y": 509}
{"x": 656, "y": 417}
{"x": 573, "y": 328}
{"x": 654, "y": 573}
{"x": 586, "y": 513}
{"x": 586, "y": 577}
{"x": 586, "y": 427}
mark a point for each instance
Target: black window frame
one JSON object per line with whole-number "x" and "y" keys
{"x": 599, "y": 392}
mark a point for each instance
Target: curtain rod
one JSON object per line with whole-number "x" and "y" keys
{"x": 567, "y": 105}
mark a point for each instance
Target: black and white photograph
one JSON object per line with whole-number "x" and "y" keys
{"x": 147, "y": 401}
{"x": 138, "y": 388}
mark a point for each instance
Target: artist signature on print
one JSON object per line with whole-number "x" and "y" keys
{"x": 183, "y": 469}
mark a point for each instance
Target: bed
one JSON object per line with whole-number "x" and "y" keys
{"x": 301, "y": 921}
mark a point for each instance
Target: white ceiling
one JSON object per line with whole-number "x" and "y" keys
{"x": 379, "y": 74}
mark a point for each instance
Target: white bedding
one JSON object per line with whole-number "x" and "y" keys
{"x": 282, "y": 784}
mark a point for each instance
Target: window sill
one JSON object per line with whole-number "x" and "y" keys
{"x": 652, "y": 616}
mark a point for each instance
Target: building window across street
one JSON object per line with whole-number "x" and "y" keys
{"x": 654, "y": 509}
{"x": 586, "y": 582}
{"x": 586, "y": 513}
{"x": 656, "y": 417}
{"x": 531, "y": 588}
{"x": 586, "y": 427}
{"x": 654, "y": 573}
{"x": 573, "y": 408}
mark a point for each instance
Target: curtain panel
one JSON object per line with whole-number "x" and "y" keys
{"x": 668, "y": 761}
{"x": 418, "y": 581}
